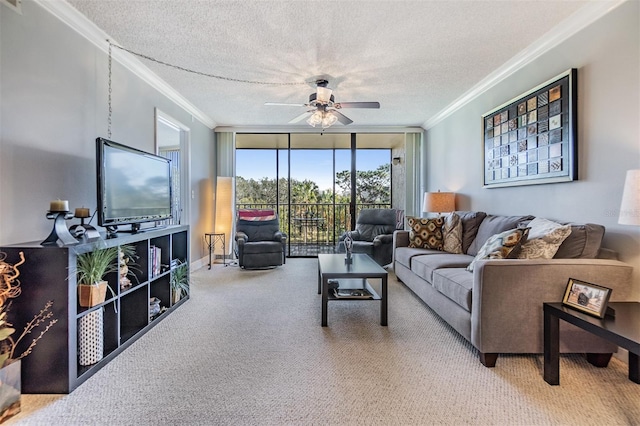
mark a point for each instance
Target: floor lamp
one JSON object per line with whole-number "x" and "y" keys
{"x": 225, "y": 211}
{"x": 630, "y": 205}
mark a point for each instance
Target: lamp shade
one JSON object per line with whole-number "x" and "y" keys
{"x": 630, "y": 205}
{"x": 439, "y": 202}
{"x": 224, "y": 209}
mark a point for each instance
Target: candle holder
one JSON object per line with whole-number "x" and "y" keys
{"x": 84, "y": 230}
{"x": 60, "y": 231}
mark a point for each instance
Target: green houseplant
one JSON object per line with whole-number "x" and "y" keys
{"x": 179, "y": 282}
{"x": 91, "y": 269}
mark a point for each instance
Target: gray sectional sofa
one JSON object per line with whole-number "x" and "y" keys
{"x": 498, "y": 306}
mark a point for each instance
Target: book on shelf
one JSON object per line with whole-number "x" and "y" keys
{"x": 352, "y": 293}
{"x": 155, "y": 256}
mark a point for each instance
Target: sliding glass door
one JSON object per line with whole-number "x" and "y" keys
{"x": 316, "y": 183}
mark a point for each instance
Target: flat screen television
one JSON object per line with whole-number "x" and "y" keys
{"x": 134, "y": 186}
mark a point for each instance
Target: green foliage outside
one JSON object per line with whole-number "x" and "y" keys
{"x": 372, "y": 187}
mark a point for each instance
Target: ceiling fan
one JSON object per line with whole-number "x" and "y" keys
{"x": 324, "y": 110}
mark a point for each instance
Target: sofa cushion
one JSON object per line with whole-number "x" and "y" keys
{"x": 504, "y": 245}
{"x": 583, "y": 242}
{"x": 403, "y": 255}
{"x": 424, "y": 266}
{"x": 456, "y": 284}
{"x": 425, "y": 233}
{"x": 452, "y": 234}
{"x": 545, "y": 237}
{"x": 492, "y": 225}
{"x": 470, "y": 223}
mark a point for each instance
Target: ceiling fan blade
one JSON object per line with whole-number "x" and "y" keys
{"x": 301, "y": 117}
{"x": 341, "y": 117}
{"x": 283, "y": 104}
{"x": 358, "y": 105}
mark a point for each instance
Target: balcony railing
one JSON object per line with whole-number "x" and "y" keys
{"x": 312, "y": 228}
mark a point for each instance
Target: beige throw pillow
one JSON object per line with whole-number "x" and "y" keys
{"x": 452, "y": 234}
{"x": 544, "y": 239}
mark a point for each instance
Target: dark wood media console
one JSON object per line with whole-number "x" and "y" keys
{"x": 49, "y": 275}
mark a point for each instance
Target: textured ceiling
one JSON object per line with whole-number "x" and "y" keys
{"x": 414, "y": 57}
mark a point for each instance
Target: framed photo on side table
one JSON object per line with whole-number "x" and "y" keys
{"x": 586, "y": 297}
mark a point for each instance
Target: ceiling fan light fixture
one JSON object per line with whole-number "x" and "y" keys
{"x": 323, "y": 109}
{"x": 323, "y": 95}
{"x": 328, "y": 120}
{"x": 322, "y": 118}
{"x": 315, "y": 119}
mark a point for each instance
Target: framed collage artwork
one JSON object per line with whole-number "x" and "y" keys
{"x": 532, "y": 139}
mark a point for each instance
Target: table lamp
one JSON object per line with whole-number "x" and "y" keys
{"x": 439, "y": 202}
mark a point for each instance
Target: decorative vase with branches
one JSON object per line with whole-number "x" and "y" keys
{"x": 10, "y": 364}
{"x": 43, "y": 320}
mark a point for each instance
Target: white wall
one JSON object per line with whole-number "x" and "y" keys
{"x": 607, "y": 56}
{"x": 53, "y": 105}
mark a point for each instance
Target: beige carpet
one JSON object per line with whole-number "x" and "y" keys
{"x": 248, "y": 349}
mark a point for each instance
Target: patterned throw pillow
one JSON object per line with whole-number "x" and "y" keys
{"x": 425, "y": 233}
{"x": 504, "y": 245}
{"x": 544, "y": 239}
{"x": 399, "y": 219}
{"x": 452, "y": 234}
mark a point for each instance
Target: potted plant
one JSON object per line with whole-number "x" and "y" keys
{"x": 91, "y": 269}
{"x": 179, "y": 282}
{"x": 10, "y": 371}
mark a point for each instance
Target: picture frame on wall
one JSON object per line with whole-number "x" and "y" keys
{"x": 532, "y": 139}
{"x": 586, "y": 297}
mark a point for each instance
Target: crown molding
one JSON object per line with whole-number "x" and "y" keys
{"x": 561, "y": 32}
{"x": 309, "y": 129}
{"x": 69, "y": 15}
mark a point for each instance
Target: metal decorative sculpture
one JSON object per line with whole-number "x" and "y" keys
{"x": 348, "y": 246}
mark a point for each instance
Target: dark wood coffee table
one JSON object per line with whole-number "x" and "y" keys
{"x": 354, "y": 275}
{"x": 623, "y": 330}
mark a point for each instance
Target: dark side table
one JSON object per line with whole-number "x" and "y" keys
{"x": 213, "y": 238}
{"x": 623, "y": 330}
